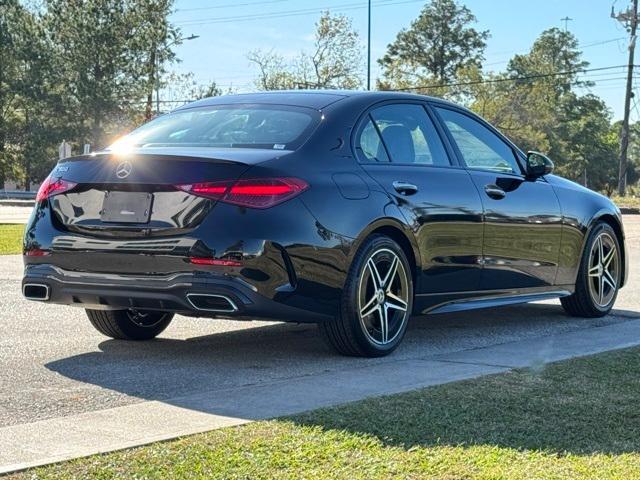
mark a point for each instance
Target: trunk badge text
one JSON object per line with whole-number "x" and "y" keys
{"x": 123, "y": 170}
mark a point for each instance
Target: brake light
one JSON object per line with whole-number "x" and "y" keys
{"x": 51, "y": 187}
{"x": 252, "y": 193}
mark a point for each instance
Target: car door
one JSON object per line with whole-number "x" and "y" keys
{"x": 400, "y": 146}
{"x": 522, "y": 216}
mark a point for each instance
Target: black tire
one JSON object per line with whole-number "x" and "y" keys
{"x": 355, "y": 335}
{"x": 582, "y": 302}
{"x": 129, "y": 324}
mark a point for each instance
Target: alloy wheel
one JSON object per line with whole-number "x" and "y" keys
{"x": 604, "y": 268}
{"x": 383, "y": 297}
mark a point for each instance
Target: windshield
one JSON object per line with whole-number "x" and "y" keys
{"x": 231, "y": 126}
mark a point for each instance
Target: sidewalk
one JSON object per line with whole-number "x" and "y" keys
{"x": 14, "y": 213}
{"x": 47, "y": 441}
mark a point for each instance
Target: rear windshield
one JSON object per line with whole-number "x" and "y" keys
{"x": 231, "y": 126}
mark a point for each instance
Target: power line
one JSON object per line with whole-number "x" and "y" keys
{"x": 509, "y": 79}
{"x": 184, "y": 101}
{"x": 635, "y": 106}
{"x": 231, "y": 5}
{"x": 603, "y": 42}
{"x": 581, "y": 46}
{"x": 601, "y": 76}
{"x": 596, "y": 81}
{"x": 292, "y": 13}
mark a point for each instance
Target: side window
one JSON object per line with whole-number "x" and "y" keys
{"x": 409, "y": 135}
{"x": 479, "y": 146}
{"x": 370, "y": 144}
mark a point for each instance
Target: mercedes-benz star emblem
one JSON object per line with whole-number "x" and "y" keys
{"x": 123, "y": 170}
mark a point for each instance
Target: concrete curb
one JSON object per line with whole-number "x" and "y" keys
{"x": 630, "y": 210}
{"x": 14, "y": 202}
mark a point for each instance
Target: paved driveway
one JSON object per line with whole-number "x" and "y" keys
{"x": 53, "y": 364}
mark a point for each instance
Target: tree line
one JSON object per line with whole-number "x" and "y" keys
{"x": 86, "y": 72}
{"x": 536, "y": 100}
{"x": 83, "y": 71}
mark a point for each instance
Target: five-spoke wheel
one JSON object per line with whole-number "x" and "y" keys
{"x": 376, "y": 302}
{"x": 603, "y": 269}
{"x": 383, "y": 297}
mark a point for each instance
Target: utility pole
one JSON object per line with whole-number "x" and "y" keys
{"x": 630, "y": 20}
{"x": 154, "y": 65}
{"x": 148, "y": 113}
{"x": 566, "y": 21}
{"x": 157, "y": 80}
{"x": 369, "y": 48}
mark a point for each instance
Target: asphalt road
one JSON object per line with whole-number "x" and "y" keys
{"x": 53, "y": 364}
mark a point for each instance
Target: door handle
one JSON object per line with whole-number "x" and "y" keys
{"x": 405, "y": 188}
{"x": 494, "y": 192}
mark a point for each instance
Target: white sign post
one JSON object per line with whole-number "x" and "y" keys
{"x": 64, "y": 150}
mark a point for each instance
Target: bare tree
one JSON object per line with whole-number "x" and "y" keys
{"x": 335, "y": 62}
{"x": 275, "y": 73}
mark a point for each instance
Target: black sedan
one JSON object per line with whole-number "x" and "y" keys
{"x": 352, "y": 210}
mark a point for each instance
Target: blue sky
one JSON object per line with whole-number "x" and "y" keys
{"x": 228, "y": 29}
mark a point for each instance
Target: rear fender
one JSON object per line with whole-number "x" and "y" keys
{"x": 395, "y": 228}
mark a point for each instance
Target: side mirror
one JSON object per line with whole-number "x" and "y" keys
{"x": 538, "y": 165}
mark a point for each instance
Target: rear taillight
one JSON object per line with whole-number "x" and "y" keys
{"x": 253, "y": 193}
{"x": 51, "y": 187}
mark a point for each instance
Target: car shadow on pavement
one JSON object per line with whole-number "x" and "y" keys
{"x": 210, "y": 366}
{"x": 168, "y": 367}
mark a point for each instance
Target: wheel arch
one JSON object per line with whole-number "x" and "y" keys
{"x": 398, "y": 232}
{"x": 615, "y": 223}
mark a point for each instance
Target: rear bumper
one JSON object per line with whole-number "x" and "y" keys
{"x": 178, "y": 292}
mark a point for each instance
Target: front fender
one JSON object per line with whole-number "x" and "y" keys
{"x": 614, "y": 218}
{"x": 582, "y": 209}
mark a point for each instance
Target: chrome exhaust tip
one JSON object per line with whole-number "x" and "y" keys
{"x": 36, "y": 291}
{"x": 212, "y": 303}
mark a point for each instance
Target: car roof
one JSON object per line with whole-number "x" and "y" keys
{"x": 316, "y": 99}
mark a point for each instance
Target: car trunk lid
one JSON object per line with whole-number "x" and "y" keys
{"x": 135, "y": 194}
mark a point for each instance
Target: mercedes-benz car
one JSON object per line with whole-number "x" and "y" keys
{"x": 352, "y": 210}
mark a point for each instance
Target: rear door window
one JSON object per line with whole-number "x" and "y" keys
{"x": 409, "y": 135}
{"x": 370, "y": 145}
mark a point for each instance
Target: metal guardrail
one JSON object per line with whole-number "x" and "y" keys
{"x": 17, "y": 194}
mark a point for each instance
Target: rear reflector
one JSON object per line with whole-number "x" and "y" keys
{"x": 215, "y": 261}
{"x": 51, "y": 187}
{"x": 252, "y": 193}
{"x": 36, "y": 252}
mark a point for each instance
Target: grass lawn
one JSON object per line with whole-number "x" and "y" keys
{"x": 575, "y": 419}
{"x": 11, "y": 239}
